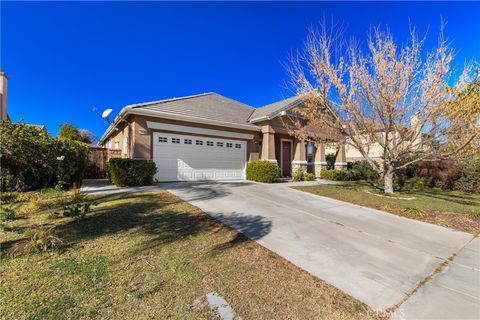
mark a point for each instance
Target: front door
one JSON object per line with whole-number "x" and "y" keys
{"x": 286, "y": 158}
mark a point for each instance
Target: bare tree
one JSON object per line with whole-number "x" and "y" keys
{"x": 394, "y": 97}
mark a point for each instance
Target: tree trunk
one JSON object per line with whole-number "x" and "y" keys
{"x": 388, "y": 181}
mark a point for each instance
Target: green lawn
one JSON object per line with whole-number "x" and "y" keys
{"x": 447, "y": 208}
{"x": 149, "y": 256}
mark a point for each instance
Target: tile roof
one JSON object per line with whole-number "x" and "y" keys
{"x": 211, "y": 106}
{"x": 273, "y": 109}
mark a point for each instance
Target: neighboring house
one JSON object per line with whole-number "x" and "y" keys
{"x": 375, "y": 150}
{"x": 210, "y": 137}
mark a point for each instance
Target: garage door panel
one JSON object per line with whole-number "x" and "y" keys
{"x": 189, "y": 158}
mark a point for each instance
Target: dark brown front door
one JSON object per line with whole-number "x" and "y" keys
{"x": 286, "y": 158}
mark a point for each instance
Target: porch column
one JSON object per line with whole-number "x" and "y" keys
{"x": 320, "y": 160}
{"x": 341, "y": 160}
{"x": 268, "y": 144}
{"x": 299, "y": 157}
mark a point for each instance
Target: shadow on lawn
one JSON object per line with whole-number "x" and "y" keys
{"x": 165, "y": 219}
{"x": 457, "y": 198}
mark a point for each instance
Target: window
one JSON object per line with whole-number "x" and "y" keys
{"x": 310, "y": 152}
{"x": 229, "y": 145}
{"x": 210, "y": 143}
{"x": 199, "y": 142}
{"x": 187, "y": 141}
{"x": 162, "y": 139}
{"x": 219, "y": 144}
{"x": 238, "y": 145}
{"x": 117, "y": 144}
{"x": 175, "y": 140}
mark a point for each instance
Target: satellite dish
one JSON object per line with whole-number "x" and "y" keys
{"x": 106, "y": 113}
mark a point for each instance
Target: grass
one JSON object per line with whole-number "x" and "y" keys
{"x": 451, "y": 209}
{"x": 150, "y": 255}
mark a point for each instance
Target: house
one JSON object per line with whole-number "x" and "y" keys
{"x": 211, "y": 137}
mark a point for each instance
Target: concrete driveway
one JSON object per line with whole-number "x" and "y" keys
{"x": 378, "y": 258}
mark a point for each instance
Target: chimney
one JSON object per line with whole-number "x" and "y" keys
{"x": 3, "y": 95}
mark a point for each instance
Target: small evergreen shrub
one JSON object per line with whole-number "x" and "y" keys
{"x": 263, "y": 171}
{"x": 309, "y": 176}
{"x": 330, "y": 159}
{"x": 362, "y": 170}
{"x": 298, "y": 175}
{"x": 131, "y": 172}
{"x": 329, "y": 174}
{"x": 468, "y": 177}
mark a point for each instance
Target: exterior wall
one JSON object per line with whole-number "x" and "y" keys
{"x": 3, "y": 96}
{"x": 298, "y": 156}
{"x": 142, "y": 136}
{"x": 119, "y": 136}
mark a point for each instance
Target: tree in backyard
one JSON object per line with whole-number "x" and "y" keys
{"x": 399, "y": 98}
{"x": 70, "y": 132}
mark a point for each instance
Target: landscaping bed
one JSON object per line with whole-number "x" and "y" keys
{"x": 150, "y": 255}
{"x": 450, "y": 209}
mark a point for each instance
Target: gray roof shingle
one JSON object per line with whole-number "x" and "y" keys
{"x": 211, "y": 106}
{"x": 273, "y": 109}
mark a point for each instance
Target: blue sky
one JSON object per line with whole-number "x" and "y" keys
{"x": 64, "y": 58}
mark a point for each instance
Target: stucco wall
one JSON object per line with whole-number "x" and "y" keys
{"x": 142, "y": 136}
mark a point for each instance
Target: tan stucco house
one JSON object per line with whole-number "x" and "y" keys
{"x": 211, "y": 137}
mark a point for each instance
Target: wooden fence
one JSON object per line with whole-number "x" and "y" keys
{"x": 97, "y": 162}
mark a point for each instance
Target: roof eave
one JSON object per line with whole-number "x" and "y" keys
{"x": 166, "y": 115}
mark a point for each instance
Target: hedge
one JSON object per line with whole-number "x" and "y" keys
{"x": 263, "y": 171}
{"x": 30, "y": 158}
{"x": 131, "y": 172}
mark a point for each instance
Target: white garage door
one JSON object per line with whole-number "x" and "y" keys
{"x": 189, "y": 158}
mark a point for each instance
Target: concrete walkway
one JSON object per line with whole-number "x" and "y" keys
{"x": 377, "y": 258}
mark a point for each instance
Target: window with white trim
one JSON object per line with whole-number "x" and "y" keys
{"x": 229, "y": 145}
{"x": 175, "y": 140}
{"x": 199, "y": 142}
{"x": 210, "y": 143}
{"x": 162, "y": 139}
{"x": 238, "y": 145}
{"x": 187, "y": 141}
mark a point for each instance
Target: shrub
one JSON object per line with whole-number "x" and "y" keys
{"x": 131, "y": 172}
{"x": 344, "y": 175}
{"x": 415, "y": 183}
{"x": 362, "y": 170}
{"x": 330, "y": 159}
{"x": 468, "y": 176}
{"x": 309, "y": 176}
{"x": 38, "y": 239}
{"x": 263, "y": 171}
{"x": 29, "y": 158}
{"x": 298, "y": 175}
{"x": 413, "y": 212}
{"x": 6, "y": 213}
{"x": 329, "y": 174}
{"x": 69, "y": 170}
